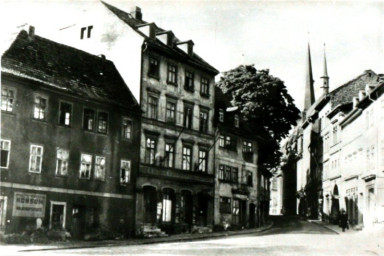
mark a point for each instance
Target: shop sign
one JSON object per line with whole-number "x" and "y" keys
{"x": 29, "y": 205}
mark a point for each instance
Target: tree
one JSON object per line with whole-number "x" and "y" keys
{"x": 265, "y": 103}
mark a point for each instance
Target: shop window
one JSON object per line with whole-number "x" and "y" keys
{"x": 35, "y": 158}
{"x": 150, "y": 150}
{"x": 40, "y": 108}
{"x": 89, "y": 119}
{"x": 153, "y": 103}
{"x": 5, "y": 152}
{"x": 125, "y": 171}
{"x": 7, "y": 99}
{"x": 204, "y": 88}
{"x": 102, "y": 122}
{"x": 127, "y": 128}
{"x": 62, "y": 156}
{"x": 172, "y": 74}
{"x": 225, "y": 204}
{"x": 153, "y": 69}
{"x": 85, "y": 166}
{"x": 187, "y": 158}
{"x": 65, "y": 114}
{"x": 99, "y": 168}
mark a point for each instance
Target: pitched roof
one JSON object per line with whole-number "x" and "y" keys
{"x": 66, "y": 68}
{"x": 194, "y": 59}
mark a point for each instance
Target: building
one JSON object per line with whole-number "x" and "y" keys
{"x": 175, "y": 88}
{"x": 70, "y": 130}
{"x": 237, "y": 198}
{"x": 333, "y": 158}
{"x": 276, "y": 194}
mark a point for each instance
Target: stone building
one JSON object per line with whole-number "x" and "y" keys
{"x": 237, "y": 198}
{"x": 175, "y": 88}
{"x": 70, "y": 130}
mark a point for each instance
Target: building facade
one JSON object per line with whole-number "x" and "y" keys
{"x": 70, "y": 130}
{"x": 237, "y": 198}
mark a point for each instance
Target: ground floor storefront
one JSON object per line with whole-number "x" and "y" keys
{"x": 79, "y": 212}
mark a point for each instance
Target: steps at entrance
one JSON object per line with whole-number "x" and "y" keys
{"x": 148, "y": 231}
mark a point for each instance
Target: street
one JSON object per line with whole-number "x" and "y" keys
{"x": 288, "y": 236}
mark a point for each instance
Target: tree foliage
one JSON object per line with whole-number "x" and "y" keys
{"x": 265, "y": 103}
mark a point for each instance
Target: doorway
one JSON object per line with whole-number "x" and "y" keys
{"x": 57, "y": 213}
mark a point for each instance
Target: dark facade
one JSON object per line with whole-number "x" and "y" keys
{"x": 72, "y": 128}
{"x": 239, "y": 186}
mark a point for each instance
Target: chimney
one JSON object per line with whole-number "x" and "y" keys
{"x": 186, "y": 46}
{"x": 148, "y": 29}
{"x": 31, "y": 33}
{"x": 355, "y": 101}
{"x": 166, "y": 37}
{"x": 361, "y": 95}
{"x": 136, "y": 13}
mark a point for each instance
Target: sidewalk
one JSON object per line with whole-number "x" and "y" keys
{"x": 334, "y": 228}
{"x": 136, "y": 241}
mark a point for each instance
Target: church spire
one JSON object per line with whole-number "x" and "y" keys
{"x": 309, "y": 91}
{"x": 325, "y": 76}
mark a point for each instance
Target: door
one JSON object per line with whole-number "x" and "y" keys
{"x": 252, "y": 209}
{"x": 58, "y": 210}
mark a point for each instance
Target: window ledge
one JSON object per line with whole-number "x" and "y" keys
{"x": 11, "y": 113}
{"x": 154, "y": 76}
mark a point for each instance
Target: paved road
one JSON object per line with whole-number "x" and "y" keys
{"x": 289, "y": 236}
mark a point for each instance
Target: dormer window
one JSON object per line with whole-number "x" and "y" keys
{"x": 221, "y": 115}
{"x": 236, "y": 121}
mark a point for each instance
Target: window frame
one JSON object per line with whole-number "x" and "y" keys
{"x": 225, "y": 207}
{"x": 204, "y": 161}
{"x": 31, "y": 155}
{"x": 185, "y": 157}
{"x": 57, "y": 173}
{"x": 171, "y": 73}
{"x": 124, "y": 183}
{"x": 9, "y": 152}
{"x": 94, "y": 122}
{"x": 44, "y": 111}
{"x": 189, "y": 80}
{"x": 70, "y": 114}
{"x": 153, "y": 69}
{"x": 90, "y": 170}
{"x": 99, "y": 113}
{"x": 188, "y": 117}
{"x": 95, "y": 166}
{"x": 204, "y": 87}
{"x": 148, "y": 150}
{"x": 127, "y": 127}
{"x": 153, "y": 113}
{"x": 5, "y": 102}
{"x": 236, "y": 121}
{"x": 168, "y": 111}
{"x": 221, "y": 115}
{"x": 203, "y": 120}
{"x": 170, "y": 151}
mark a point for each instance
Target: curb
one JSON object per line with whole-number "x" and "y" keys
{"x": 111, "y": 243}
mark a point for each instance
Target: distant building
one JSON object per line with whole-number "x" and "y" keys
{"x": 70, "y": 130}
{"x": 238, "y": 201}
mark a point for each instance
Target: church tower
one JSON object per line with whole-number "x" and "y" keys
{"x": 325, "y": 76}
{"x": 309, "y": 90}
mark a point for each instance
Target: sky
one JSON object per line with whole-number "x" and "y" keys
{"x": 269, "y": 34}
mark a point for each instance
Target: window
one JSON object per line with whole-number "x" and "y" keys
{"x": 235, "y": 175}
{"x": 172, "y": 74}
{"x": 236, "y": 121}
{"x": 5, "y": 152}
{"x": 167, "y": 208}
{"x": 221, "y": 172}
{"x": 204, "y": 89}
{"x": 127, "y": 128}
{"x": 221, "y": 141}
{"x": 249, "y": 178}
{"x": 335, "y": 139}
{"x": 227, "y": 174}
{"x": 102, "y": 120}
{"x": 225, "y": 205}
{"x": 65, "y": 113}
{"x": 99, "y": 168}
{"x": 221, "y": 115}
{"x": 203, "y": 160}
{"x": 85, "y": 166}
{"x": 169, "y": 155}
{"x": 152, "y": 107}
{"x": 40, "y": 108}
{"x": 188, "y": 114}
{"x": 7, "y": 99}
{"x": 125, "y": 171}
{"x": 187, "y": 158}
{"x": 189, "y": 81}
{"x": 153, "y": 70}
{"x": 229, "y": 142}
{"x": 89, "y": 119}
{"x": 35, "y": 158}
{"x": 150, "y": 150}
{"x": 170, "y": 112}
{"x": 62, "y": 156}
{"x": 203, "y": 121}
{"x": 247, "y": 147}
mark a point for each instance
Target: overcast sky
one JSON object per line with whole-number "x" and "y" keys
{"x": 269, "y": 34}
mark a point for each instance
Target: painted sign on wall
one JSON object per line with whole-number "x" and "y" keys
{"x": 29, "y": 205}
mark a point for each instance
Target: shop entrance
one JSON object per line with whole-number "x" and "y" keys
{"x": 202, "y": 209}
{"x": 57, "y": 213}
{"x": 150, "y": 204}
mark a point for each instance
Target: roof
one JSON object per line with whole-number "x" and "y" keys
{"x": 66, "y": 68}
{"x": 194, "y": 59}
